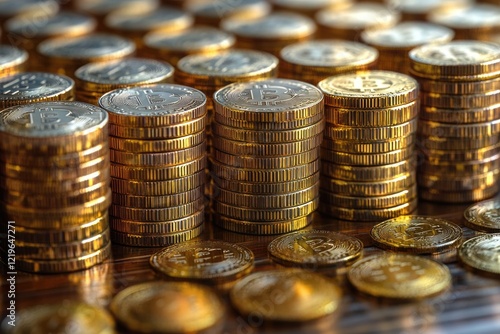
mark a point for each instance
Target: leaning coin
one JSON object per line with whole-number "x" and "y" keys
{"x": 482, "y": 253}
{"x": 483, "y": 216}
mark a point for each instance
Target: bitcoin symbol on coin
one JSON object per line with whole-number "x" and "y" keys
{"x": 121, "y": 72}
{"x": 366, "y": 84}
{"x": 50, "y": 117}
{"x": 25, "y": 83}
{"x": 147, "y": 99}
{"x": 263, "y": 95}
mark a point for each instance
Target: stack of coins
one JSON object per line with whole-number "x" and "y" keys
{"x": 310, "y": 8}
{"x": 172, "y": 46}
{"x": 394, "y": 43}
{"x": 136, "y": 24}
{"x": 367, "y": 154}
{"x": 55, "y": 184}
{"x": 459, "y": 127}
{"x": 12, "y": 60}
{"x": 64, "y": 56}
{"x": 265, "y": 165}
{"x": 479, "y": 21}
{"x": 35, "y": 9}
{"x": 349, "y": 22}
{"x": 270, "y": 33}
{"x": 157, "y": 163}
{"x": 27, "y": 32}
{"x": 28, "y": 87}
{"x": 418, "y": 10}
{"x": 313, "y": 61}
{"x": 96, "y": 79}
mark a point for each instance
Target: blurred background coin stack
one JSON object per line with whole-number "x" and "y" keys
{"x": 368, "y": 160}
{"x": 95, "y": 79}
{"x": 419, "y": 10}
{"x": 12, "y": 60}
{"x": 55, "y": 184}
{"x": 265, "y": 164}
{"x": 270, "y": 33}
{"x": 39, "y": 9}
{"x": 459, "y": 126}
{"x": 158, "y": 160}
{"x": 29, "y": 87}
{"x": 64, "y": 56}
{"x": 135, "y": 24}
{"x": 172, "y": 46}
{"x": 27, "y": 32}
{"x": 311, "y": 7}
{"x": 313, "y": 61}
{"x": 348, "y": 23}
{"x": 394, "y": 43}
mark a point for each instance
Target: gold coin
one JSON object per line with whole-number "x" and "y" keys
{"x": 315, "y": 249}
{"x": 447, "y": 61}
{"x": 367, "y": 134}
{"x": 372, "y": 117}
{"x": 483, "y": 216}
{"x": 54, "y": 127}
{"x": 476, "y": 130}
{"x": 461, "y": 88}
{"x": 460, "y": 168}
{"x": 372, "y": 188}
{"x": 460, "y": 116}
{"x": 417, "y": 234}
{"x": 57, "y": 317}
{"x": 458, "y": 183}
{"x": 372, "y": 159}
{"x": 368, "y": 173}
{"x": 481, "y": 253}
{"x": 369, "y": 147}
{"x": 463, "y": 196}
{"x": 159, "y": 105}
{"x": 158, "y": 188}
{"x": 262, "y": 228}
{"x": 476, "y": 100}
{"x": 12, "y": 60}
{"x": 250, "y": 101}
{"x": 68, "y": 265}
{"x": 209, "y": 260}
{"x": 460, "y": 156}
{"x": 160, "y": 307}
{"x": 304, "y": 295}
{"x": 155, "y": 239}
{"x": 156, "y": 145}
{"x": 399, "y": 276}
{"x": 155, "y": 202}
{"x": 159, "y": 228}
{"x": 456, "y": 143}
{"x": 369, "y": 90}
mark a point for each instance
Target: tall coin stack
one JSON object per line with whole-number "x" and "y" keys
{"x": 158, "y": 160}
{"x": 368, "y": 161}
{"x": 459, "y": 126}
{"x": 55, "y": 184}
{"x": 313, "y": 61}
{"x": 96, "y": 79}
{"x": 12, "y": 60}
{"x": 265, "y": 166}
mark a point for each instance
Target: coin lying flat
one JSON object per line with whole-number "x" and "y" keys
{"x": 167, "y": 307}
{"x": 416, "y": 234}
{"x": 285, "y": 295}
{"x": 483, "y": 216}
{"x": 482, "y": 253}
{"x": 315, "y": 248}
{"x": 399, "y": 276}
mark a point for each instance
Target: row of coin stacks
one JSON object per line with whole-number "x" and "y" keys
{"x": 459, "y": 126}
{"x": 54, "y": 179}
{"x": 158, "y": 159}
{"x": 367, "y": 153}
{"x": 265, "y": 165}
{"x": 96, "y": 79}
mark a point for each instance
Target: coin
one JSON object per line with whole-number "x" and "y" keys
{"x": 12, "y": 60}
{"x": 262, "y": 228}
{"x": 460, "y": 116}
{"x": 164, "y": 132}
{"x": 155, "y": 239}
{"x": 463, "y": 196}
{"x": 483, "y": 216}
{"x": 399, "y": 276}
{"x": 452, "y": 183}
{"x": 156, "y": 145}
{"x": 287, "y": 295}
{"x": 481, "y": 253}
{"x": 372, "y": 159}
{"x": 367, "y": 134}
{"x": 369, "y": 147}
{"x": 368, "y": 173}
{"x": 211, "y": 13}
{"x": 483, "y": 99}
{"x": 315, "y": 249}
{"x": 372, "y": 188}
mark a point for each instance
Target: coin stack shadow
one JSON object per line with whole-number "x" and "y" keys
{"x": 55, "y": 184}
{"x": 367, "y": 153}
{"x": 158, "y": 160}
{"x": 459, "y": 126}
{"x": 265, "y": 166}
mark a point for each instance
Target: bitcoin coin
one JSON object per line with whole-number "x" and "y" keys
{"x": 372, "y": 159}
{"x": 462, "y": 196}
{"x": 481, "y": 253}
{"x": 369, "y": 147}
{"x": 368, "y": 173}
{"x": 460, "y": 116}
{"x": 372, "y": 188}
{"x": 484, "y": 99}
{"x": 210, "y": 13}
{"x": 165, "y": 132}
{"x": 156, "y": 240}
{"x": 155, "y": 202}
{"x": 458, "y": 168}
{"x": 461, "y": 156}
{"x": 367, "y": 134}
{"x": 262, "y": 228}
{"x": 12, "y": 60}
{"x": 483, "y": 216}
{"x": 156, "y": 145}
{"x": 451, "y": 183}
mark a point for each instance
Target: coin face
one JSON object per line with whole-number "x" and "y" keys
{"x": 334, "y": 53}
{"x": 399, "y": 276}
{"x": 204, "y": 260}
{"x": 315, "y": 248}
{"x": 416, "y": 234}
{"x": 225, "y": 8}
{"x": 482, "y": 253}
{"x": 11, "y": 56}
{"x": 358, "y": 16}
{"x": 468, "y": 17}
{"x": 167, "y": 307}
{"x": 484, "y": 216}
{"x": 161, "y": 18}
{"x": 196, "y": 38}
{"x": 285, "y": 295}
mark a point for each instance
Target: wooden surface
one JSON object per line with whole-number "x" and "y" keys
{"x": 471, "y": 306}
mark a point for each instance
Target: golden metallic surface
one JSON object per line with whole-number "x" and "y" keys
{"x": 399, "y": 276}
{"x": 462, "y": 196}
{"x": 156, "y": 145}
{"x": 211, "y": 12}
{"x": 372, "y": 159}
{"x": 368, "y": 173}
{"x": 368, "y": 134}
{"x": 460, "y": 168}
{"x": 461, "y": 116}
{"x": 303, "y": 295}
{"x": 156, "y": 239}
{"x": 156, "y": 202}
{"x": 12, "y": 60}
{"x": 369, "y": 147}
{"x": 444, "y": 157}
{"x": 481, "y": 99}
{"x": 483, "y": 216}
{"x": 208, "y": 260}
{"x": 452, "y": 183}
{"x": 261, "y": 228}
{"x": 315, "y": 249}
{"x": 438, "y": 86}
{"x": 417, "y": 234}
{"x": 481, "y": 253}
{"x": 452, "y": 143}
{"x": 167, "y": 307}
